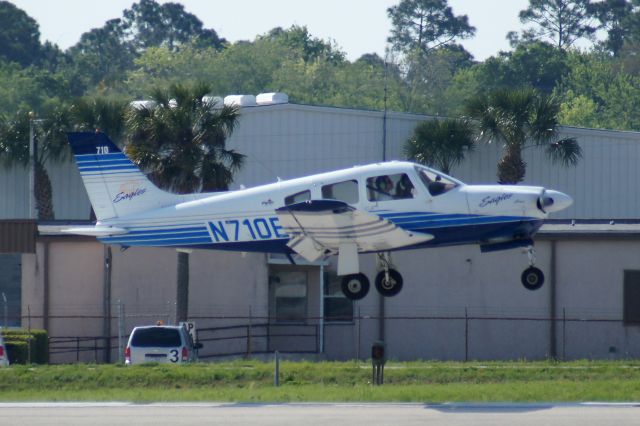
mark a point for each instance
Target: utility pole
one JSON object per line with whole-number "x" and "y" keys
{"x": 32, "y": 166}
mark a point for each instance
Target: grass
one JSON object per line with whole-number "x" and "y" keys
{"x": 252, "y": 381}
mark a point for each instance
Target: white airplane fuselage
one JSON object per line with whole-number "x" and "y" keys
{"x": 374, "y": 208}
{"x": 246, "y": 219}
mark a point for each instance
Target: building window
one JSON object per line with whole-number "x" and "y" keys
{"x": 297, "y": 197}
{"x": 337, "y": 308}
{"x": 289, "y": 295}
{"x": 631, "y": 303}
{"x": 346, "y": 191}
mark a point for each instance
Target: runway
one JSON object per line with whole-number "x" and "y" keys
{"x": 309, "y": 414}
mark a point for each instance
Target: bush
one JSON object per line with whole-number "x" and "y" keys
{"x": 17, "y": 341}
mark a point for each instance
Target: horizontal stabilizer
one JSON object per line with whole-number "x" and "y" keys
{"x": 95, "y": 231}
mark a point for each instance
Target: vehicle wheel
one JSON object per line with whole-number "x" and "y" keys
{"x": 355, "y": 286}
{"x": 532, "y": 278}
{"x": 389, "y": 287}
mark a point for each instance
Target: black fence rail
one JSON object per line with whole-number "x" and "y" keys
{"x": 466, "y": 336}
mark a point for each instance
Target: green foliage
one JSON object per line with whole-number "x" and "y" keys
{"x": 19, "y": 35}
{"x": 424, "y": 25}
{"x": 442, "y": 144}
{"x": 518, "y": 119}
{"x": 561, "y": 22}
{"x": 180, "y": 139}
{"x": 611, "y": 95}
{"x": 17, "y": 342}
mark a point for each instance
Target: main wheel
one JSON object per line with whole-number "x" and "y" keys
{"x": 532, "y": 278}
{"x": 391, "y": 286}
{"x": 355, "y": 286}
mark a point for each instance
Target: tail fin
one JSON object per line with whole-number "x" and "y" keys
{"x": 115, "y": 185}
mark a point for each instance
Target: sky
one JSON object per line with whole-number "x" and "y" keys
{"x": 356, "y": 26}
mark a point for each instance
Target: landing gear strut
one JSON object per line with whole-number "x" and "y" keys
{"x": 532, "y": 278}
{"x": 388, "y": 281}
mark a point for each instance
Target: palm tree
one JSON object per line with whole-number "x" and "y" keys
{"x": 51, "y": 145}
{"x": 180, "y": 139}
{"x": 102, "y": 114}
{"x": 520, "y": 118}
{"x": 442, "y": 144}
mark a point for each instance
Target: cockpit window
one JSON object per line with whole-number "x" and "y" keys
{"x": 436, "y": 183}
{"x": 390, "y": 187}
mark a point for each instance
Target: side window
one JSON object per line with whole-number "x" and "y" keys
{"x": 346, "y": 191}
{"x": 298, "y": 197}
{"x": 390, "y": 187}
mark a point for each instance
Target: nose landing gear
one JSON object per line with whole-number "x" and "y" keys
{"x": 532, "y": 278}
{"x": 388, "y": 281}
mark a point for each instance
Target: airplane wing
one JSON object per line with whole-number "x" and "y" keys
{"x": 319, "y": 227}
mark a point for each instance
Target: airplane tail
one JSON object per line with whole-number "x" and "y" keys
{"x": 115, "y": 185}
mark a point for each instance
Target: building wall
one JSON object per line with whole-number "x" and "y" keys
{"x": 288, "y": 140}
{"x": 456, "y": 303}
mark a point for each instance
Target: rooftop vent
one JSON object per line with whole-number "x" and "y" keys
{"x": 240, "y": 100}
{"x": 272, "y": 98}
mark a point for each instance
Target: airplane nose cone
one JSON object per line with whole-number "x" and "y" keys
{"x": 556, "y": 200}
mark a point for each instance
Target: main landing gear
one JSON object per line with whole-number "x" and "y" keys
{"x": 388, "y": 281}
{"x": 532, "y": 278}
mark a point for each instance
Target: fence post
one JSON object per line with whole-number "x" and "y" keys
{"x": 359, "y": 331}
{"x": 6, "y": 310}
{"x": 564, "y": 333}
{"x": 466, "y": 335}
{"x": 276, "y": 373}
{"x": 29, "y": 338}
{"x": 120, "y": 331}
{"x": 249, "y": 332}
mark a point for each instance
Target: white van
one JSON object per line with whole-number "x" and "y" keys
{"x": 160, "y": 343}
{"x": 4, "y": 356}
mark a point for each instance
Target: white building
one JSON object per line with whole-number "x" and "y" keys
{"x": 456, "y": 303}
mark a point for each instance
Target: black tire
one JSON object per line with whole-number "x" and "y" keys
{"x": 355, "y": 286}
{"x": 532, "y": 278}
{"x": 392, "y": 286}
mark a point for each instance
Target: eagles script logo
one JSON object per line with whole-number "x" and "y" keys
{"x": 128, "y": 191}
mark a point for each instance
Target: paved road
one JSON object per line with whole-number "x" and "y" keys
{"x": 97, "y": 414}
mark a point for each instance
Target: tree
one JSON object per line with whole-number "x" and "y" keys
{"x": 442, "y": 144}
{"x": 181, "y": 141}
{"x": 425, "y": 25}
{"x": 521, "y": 118}
{"x": 298, "y": 39}
{"x": 19, "y": 35}
{"x": 102, "y": 56}
{"x": 51, "y": 144}
{"x": 562, "y": 22}
{"x": 98, "y": 113}
{"x": 150, "y": 24}
{"x": 616, "y": 18}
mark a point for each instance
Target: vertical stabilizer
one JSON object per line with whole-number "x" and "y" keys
{"x": 115, "y": 185}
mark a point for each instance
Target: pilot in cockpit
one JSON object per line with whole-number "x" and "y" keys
{"x": 384, "y": 187}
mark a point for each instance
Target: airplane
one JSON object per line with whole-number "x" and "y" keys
{"x": 375, "y": 208}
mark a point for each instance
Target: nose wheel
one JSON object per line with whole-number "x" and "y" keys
{"x": 532, "y": 278}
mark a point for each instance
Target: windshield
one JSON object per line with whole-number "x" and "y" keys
{"x": 156, "y": 337}
{"x": 437, "y": 183}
